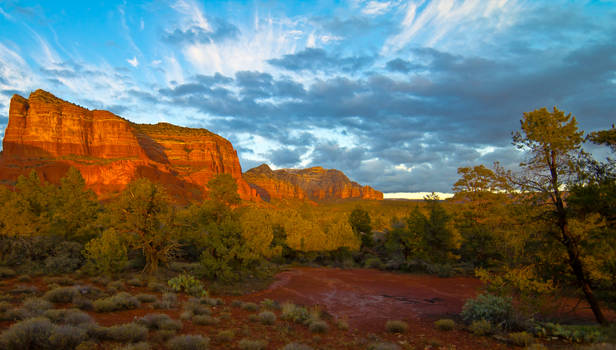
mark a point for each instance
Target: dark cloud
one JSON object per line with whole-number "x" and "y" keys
{"x": 221, "y": 30}
{"x": 315, "y": 60}
{"x": 403, "y": 66}
{"x": 286, "y": 157}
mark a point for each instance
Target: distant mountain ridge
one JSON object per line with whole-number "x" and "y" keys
{"x": 314, "y": 183}
{"x": 50, "y": 135}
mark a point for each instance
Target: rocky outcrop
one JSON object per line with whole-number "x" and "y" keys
{"x": 50, "y": 135}
{"x": 314, "y": 183}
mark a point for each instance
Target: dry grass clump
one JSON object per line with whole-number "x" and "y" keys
{"x": 318, "y": 326}
{"x": 120, "y": 301}
{"x": 481, "y": 327}
{"x": 160, "y": 322}
{"x": 267, "y": 317}
{"x": 248, "y": 344}
{"x": 250, "y": 307}
{"x": 225, "y": 336}
{"x": 73, "y": 317}
{"x": 188, "y": 342}
{"x": 521, "y": 338}
{"x": 445, "y": 324}
{"x": 40, "y": 333}
{"x": 168, "y": 301}
{"x": 145, "y": 298}
{"x": 205, "y": 320}
{"x": 396, "y": 326}
{"x": 61, "y": 294}
{"x": 126, "y": 333}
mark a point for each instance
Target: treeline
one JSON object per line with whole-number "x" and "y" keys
{"x": 47, "y": 228}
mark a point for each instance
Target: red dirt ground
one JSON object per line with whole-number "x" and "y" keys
{"x": 368, "y": 298}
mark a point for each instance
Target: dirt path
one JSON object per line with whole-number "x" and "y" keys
{"x": 368, "y": 298}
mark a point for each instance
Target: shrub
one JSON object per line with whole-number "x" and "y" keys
{"x": 116, "y": 285}
{"x": 30, "y": 334}
{"x": 194, "y": 307}
{"x": 168, "y": 301}
{"x": 481, "y": 327}
{"x": 66, "y": 337}
{"x": 495, "y": 309}
{"x": 373, "y": 263}
{"x": 120, "y": 301}
{"x": 253, "y": 318}
{"x": 318, "y": 326}
{"x": 250, "y": 306}
{"x": 24, "y": 278}
{"x": 61, "y": 294}
{"x": 396, "y": 326}
{"x": 247, "y": 344}
{"x": 383, "y": 346}
{"x": 342, "y": 324}
{"x": 126, "y": 333}
{"x": 225, "y": 336}
{"x": 445, "y": 324}
{"x": 296, "y": 346}
{"x": 187, "y": 283}
{"x": 267, "y": 317}
{"x": 160, "y": 321}
{"x": 205, "y": 320}
{"x": 157, "y": 286}
{"x": 162, "y": 335}
{"x": 106, "y": 254}
{"x": 82, "y": 303}
{"x": 212, "y": 301}
{"x": 6, "y": 272}
{"x": 521, "y": 338}
{"x": 236, "y": 303}
{"x": 295, "y": 313}
{"x": 71, "y": 317}
{"x": 36, "y": 306}
{"x": 146, "y": 298}
{"x": 136, "y": 282}
{"x": 138, "y": 346}
{"x": 62, "y": 281}
{"x": 270, "y": 304}
{"x": 188, "y": 342}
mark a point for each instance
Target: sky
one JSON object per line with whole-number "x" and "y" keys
{"x": 396, "y": 94}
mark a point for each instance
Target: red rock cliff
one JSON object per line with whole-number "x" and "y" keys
{"x": 314, "y": 183}
{"x": 50, "y": 135}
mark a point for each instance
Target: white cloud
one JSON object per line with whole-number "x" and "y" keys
{"x": 133, "y": 62}
{"x": 439, "y": 18}
{"x": 376, "y": 7}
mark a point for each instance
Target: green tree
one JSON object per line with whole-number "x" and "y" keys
{"x": 223, "y": 189}
{"x": 144, "y": 215}
{"x": 106, "y": 254}
{"x": 553, "y": 143}
{"x": 360, "y": 223}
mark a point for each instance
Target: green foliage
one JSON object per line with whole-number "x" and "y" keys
{"x": 267, "y": 317}
{"x": 492, "y": 308}
{"x": 248, "y": 344}
{"x": 396, "y": 326}
{"x": 187, "y": 283}
{"x": 222, "y": 190}
{"x": 445, "y": 324}
{"x": 188, "y": 342}
{"x": 120, "y": 301}
{"x": 106, "y": 254}
{"x": 144, "y": 215}
{"x": 521, "y": 338}
{"x": 481, "y": 327}
{"x": 360, "y": 223}
{"x": 572, "y": 333}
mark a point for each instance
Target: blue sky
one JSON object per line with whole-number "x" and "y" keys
{"x": 397, "y": 94}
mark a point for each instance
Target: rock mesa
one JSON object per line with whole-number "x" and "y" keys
{"x": 50, "y": 135}
{"x": 314, "y": 183}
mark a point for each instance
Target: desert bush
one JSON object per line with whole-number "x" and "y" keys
{"x": 65, "y": 257}
{"x": 30, "y": 334}
{"x": 205, "y": 320}
{"x": 195, "y": 307}
{"x": 24, "y": 278}
{"x": 521, "y": 338}
{"x": 157, "y": 286}
{"x": 481, "y": 327}
{"x": 59, "y": 280}
{"x": 342, "y": 324}
{"x": 383, "y": 346}
{"x": 146, "y": 298}
{"x": 445, "y": 324}
{"x": 120, "y": 301}
{"x": 188, "y": 342}
{"x": 126, "y": 333}
{"x": 168, "y": 301}
{"x": 373, "y": 263}
{"x": 187, "y": 283}
{"x": 318, "y": 326}
{"x": 247, "y": 344}
{"x": 36, "y": 306}
{"x": 66, "y": 337}
{"x": 493, "y": 308}
{"x": 136, "y": 282}
{"x": 71, "y": 317}
{"x": 236, "y": 303}
{"x": 269, "y": 304}
{"x": 23, "y": 289}
{"x": 225, "y": 336}
{"x": 212, "y": 301}
{"x": 83, "y": 303}
{"x": 116, "y": 285}
{"x": 162, "y": 336}
{"x": 396, "y": 326}
{"x": 297, "y": 314}
{"x": 267, "y": 317}
{"x": 61, "y": 294}
{"x": 250, "y": 306}
{"x": 572, "y": 333}
{"x": 253, "y": 318}
{"x": 296, "y": 346}
{"x": 6, "y": 272}
{"x": 137, "y": 346}
{"x": 160, "y": 321}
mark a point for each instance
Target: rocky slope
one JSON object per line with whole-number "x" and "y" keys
{"x": 50, "y": 135}
{"x": 314, "y": 183}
